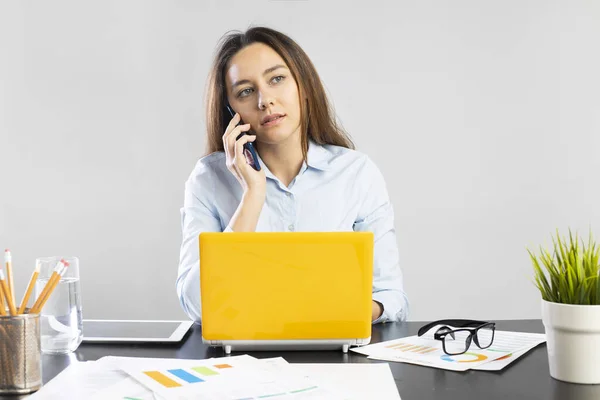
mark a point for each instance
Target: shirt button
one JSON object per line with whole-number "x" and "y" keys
{"x": 291, "y": 227}
{"x": 288, "y": 194}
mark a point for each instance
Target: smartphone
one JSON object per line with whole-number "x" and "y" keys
{"x": 248, "y": 147}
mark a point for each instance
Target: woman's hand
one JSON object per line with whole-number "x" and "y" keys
{"x": 376, "y": 310}
{"x": 253, "y": 182}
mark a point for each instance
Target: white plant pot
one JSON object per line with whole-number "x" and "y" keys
{"x": 573, "y": 341}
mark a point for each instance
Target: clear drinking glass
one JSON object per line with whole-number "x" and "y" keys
{"x": 61, "y": 317}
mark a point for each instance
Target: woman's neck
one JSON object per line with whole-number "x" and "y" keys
{"x": 284, "y": 160}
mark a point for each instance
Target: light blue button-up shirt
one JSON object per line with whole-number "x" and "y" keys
{"x": 337, "y": 189}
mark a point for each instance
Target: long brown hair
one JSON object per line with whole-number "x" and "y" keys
{"x": 317, "y": 117}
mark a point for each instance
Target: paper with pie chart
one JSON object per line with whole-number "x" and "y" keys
{"x": 425, "y": 350}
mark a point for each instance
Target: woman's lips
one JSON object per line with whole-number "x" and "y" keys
{"x": 274, "y": 122}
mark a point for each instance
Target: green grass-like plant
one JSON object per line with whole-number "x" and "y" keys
{"x": 570, "y": 274}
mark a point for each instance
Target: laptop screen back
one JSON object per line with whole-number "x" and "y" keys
{"x": 286, "y": 285}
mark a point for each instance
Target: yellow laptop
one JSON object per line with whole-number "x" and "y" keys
{"x": 286, "y": 290}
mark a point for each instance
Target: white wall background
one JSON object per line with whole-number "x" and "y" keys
{"x": 484, "y": 117}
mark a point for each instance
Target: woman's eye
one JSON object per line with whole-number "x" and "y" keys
{"x": 242, "y": 93}
{"x": 247, "y": 91}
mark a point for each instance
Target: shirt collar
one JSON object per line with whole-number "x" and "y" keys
{"x": 317, "y": 156}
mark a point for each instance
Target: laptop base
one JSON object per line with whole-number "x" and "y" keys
{"x": 287, "y": 345}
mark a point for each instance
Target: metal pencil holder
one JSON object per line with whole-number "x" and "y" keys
{"x": 20, "y": 354}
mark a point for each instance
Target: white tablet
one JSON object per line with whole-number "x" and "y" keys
{"x": 107, "y": 330}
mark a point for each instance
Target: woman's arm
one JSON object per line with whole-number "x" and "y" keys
{"x": 246, "y": 216}
{"x": 197, "y": 215}
{"x": 253, "y": 182}
{"x": 376, "y": 215}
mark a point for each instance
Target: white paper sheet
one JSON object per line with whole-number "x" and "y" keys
{"x": 228, "y": 378}
{"x": 78, "y": 381}
{"x": 82, "y": 380}
{"x": 355, "y": 381}
{"x": 427, "y": 351}
{"x": 104, "y": 379}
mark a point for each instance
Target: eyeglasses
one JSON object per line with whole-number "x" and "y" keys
{"x": 458, "y": 340}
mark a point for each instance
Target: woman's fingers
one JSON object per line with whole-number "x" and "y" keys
{"x": 234, "y": 134}
{"x": 231, "y": 140}
{"x": 232, "y": 124}
{"x": 240, "y": 156}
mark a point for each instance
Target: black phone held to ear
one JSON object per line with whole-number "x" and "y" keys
{"x": 247, "y": 146}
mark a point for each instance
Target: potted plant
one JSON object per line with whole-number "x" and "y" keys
{"x": 568, "y": 282}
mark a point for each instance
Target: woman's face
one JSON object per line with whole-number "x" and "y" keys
{"x": 259, "y": 84}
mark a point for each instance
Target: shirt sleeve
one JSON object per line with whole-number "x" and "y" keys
{"x": 197, "y": 215}
{"x": 376, "y": 215}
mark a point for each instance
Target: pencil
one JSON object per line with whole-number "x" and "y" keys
{"x": 25, "y": 300}
{"x": 2, "y": 306}
{"x": 57, "y": 268}
{"x": 11, "y": 305}
{"x": 53, "y": 285}
{"x": 9, "y": 275}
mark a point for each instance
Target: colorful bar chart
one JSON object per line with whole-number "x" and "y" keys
{"x": 241, "y": 378}
{"x": 185, "y": 376}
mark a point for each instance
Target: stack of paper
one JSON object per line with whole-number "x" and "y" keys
{"x": 235, "y": 377}
{"x": 427, "y": 351}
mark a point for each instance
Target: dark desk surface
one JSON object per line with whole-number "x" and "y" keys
{"x": 526, "y": 378}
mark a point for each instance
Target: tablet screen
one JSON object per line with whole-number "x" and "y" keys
{"x": 129, "y": 329}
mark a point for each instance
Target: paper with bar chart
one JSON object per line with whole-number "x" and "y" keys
{"x": 106, "y": 379}
{"x": 427, "y": 351}
{"x": 243, "y": 378}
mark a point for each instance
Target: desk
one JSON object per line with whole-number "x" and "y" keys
{"x": 526, "y": 378}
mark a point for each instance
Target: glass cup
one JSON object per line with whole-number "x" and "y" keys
{"x": 61, "y": 317}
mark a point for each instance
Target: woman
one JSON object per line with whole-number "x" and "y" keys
{"x": 310, "y": 177}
